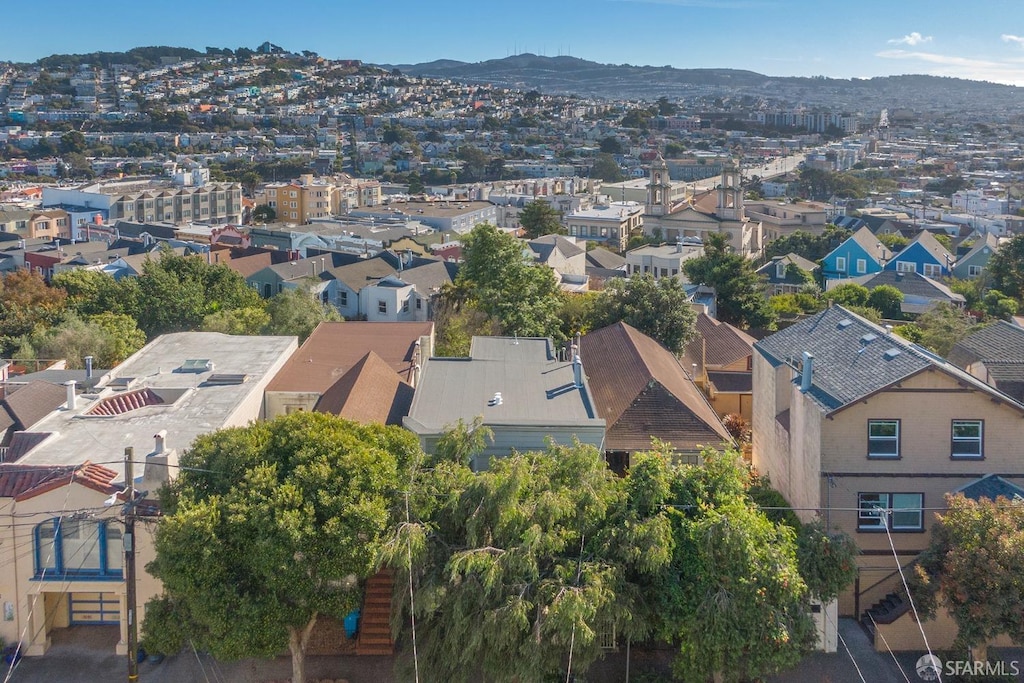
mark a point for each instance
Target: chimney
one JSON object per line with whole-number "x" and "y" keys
{"x": 808, "y": 372}
{"x": 577, "y": 371}
{"x": 88, "y": 367}
{"x": 156, "y": 471}
{"x": 161, "y": 442}
{"x": 72, "y": 403}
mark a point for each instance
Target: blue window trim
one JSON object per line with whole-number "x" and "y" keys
{"x": 60, "y": 572}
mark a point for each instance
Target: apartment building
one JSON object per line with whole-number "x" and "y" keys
{"x": 151, "y": 200}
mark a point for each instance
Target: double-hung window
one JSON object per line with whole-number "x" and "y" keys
{"x": 883, "y": 438}
{"x": 967, "y": 439}
{"x": 895, "y": 511}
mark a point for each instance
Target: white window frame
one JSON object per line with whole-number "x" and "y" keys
{"x": 841, "y": 264}
{"x": 382, "y": 306}
{"x": 884, "y": 439}
{"x": 974, "y": 271}
{"x": 906, "y": 267}
{"x": 931, "y": 270}
{"x": 964, "y": 442}
{"x": 862, "y": 266}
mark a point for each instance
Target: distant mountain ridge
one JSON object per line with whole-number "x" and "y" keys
{"x": 566, "y": 74}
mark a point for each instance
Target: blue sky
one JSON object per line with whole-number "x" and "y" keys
{"x": 983, "y": 39}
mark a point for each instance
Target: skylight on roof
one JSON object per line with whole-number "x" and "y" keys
{"x": 891, "y": 353}
{"x": 868, "y": 338}
{"x": 844, "y": 323}
{"x": 196, "y": 365}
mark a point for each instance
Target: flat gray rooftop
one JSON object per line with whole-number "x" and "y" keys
{"x": 186, "y": 403}
{"x": 535, "y": 387}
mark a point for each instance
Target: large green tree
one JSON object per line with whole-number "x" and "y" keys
{"x": 268, "y": 527}
{"x": 606, "y": 168}
{"x": 539, "y": 218}
{"x": 298, "y": 312}
{"x": 973, "y": 568}
{"x": 500, "y": 280}
{"x": 91, "y": 292}
{"x": 658, "y": 308}
{"x": 740, "y": 290}
{"x": 27, "y": 304}
{"x": 1006, "y": 268}
{"x": 177, "y": 292}
{"x": 520, "y": 568}
{"x": 732, "y": 596}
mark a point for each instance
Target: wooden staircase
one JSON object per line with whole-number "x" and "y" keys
{"x": 885, "y": 611}
{"x": 374, "y": 636}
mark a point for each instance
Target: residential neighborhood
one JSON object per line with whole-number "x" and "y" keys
{"x": 312, "y": 363}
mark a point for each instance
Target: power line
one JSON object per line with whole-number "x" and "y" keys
{"x": 886, "y": 643}
{"x": 910, "y": 597}
{"x": 842, "y": 640}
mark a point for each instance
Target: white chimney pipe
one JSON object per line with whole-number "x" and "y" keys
{"x": 161, "y": 441}
{"x": 72, "y": 403}
{"x": 577, "y": 371}
{"x": 808, "y": 372}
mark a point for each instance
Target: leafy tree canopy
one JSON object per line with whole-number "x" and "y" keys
{"x": 497, "y": 276}
{"x": 268, "y": 527}
{"x": 658, "y": 308}
{"x": 297, "y": 312}
{"x": 740, "y": 290}
{"x": 972, "y": 567}
{"x": 1006, "y": 268}
{"x": 540, "y": 218}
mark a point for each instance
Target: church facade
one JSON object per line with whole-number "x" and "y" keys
{"x": 716, "y": 210}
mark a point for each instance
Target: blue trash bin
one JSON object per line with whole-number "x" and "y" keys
{"x": 351, "y": 624}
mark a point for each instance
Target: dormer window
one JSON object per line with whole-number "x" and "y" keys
{"x": 780, "y": 270}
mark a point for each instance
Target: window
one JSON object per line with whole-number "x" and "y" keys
{"x": 66, "y": 548}
{"x": 382, "y": 306}
{"x": 883, "y": 438}
{"x": 895, "y": 511}
{"x": 973, "y": 271}
{"x": 419, "y": 304}
{"x": 780, "y": 270}
{"x": 906, "y": 267}
{"x": 841, "y": 264}
{"x": 405, "y": 306}
{"x": 932, "y": 270}
{"x": 343, "y": 298}
{"x": 967, "y": 439}
{"x": 862, "y": 266}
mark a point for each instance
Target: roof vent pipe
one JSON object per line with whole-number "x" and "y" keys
{"x": 888, "y": 330}
{"x": 577, "y": 371}
{"x": 70, "y": 384}
{"x": 808, "y": 372}
{"x": 161, "y": 442}
{"x": 88, "y": 367}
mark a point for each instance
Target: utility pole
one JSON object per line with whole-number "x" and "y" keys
{"x": 129, "y": 567}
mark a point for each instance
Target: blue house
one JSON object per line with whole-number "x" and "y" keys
{"x": 860, "y": 254}
{"x": 924, "y": 255}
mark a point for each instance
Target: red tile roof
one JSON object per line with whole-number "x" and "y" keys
{"x": 23, "y": 482}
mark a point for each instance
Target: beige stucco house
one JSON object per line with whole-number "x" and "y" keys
{"x": 857, "y": 426}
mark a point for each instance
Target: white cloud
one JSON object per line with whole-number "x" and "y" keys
{"x": 1009, "y": 38}
{"x": 911, "y": 39}
{"x": 1010, "y": 72}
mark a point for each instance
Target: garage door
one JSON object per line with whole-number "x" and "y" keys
{"x": 95, "y": 608}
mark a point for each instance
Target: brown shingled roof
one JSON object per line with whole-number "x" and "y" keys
{"x": 334, "y": 348}
{"x": 641, "y": 391}
{"x": 725, "y": 344}
{"x": 370, "y": 392}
